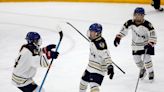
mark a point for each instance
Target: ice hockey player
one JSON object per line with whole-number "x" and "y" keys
{"x": 143, "y": 40}
{"x": 99, "y": 61}
{"x": 156, "y": 5}
{"x": 29, "y": 58}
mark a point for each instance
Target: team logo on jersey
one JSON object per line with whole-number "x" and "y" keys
{"x": 101, "y": 44}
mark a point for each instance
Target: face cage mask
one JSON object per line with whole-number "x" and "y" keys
{"x": 88, "y": 35}
{"x": 38, "y": 43}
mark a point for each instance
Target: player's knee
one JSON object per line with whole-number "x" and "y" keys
{"x": 95, "y": 89}
{"x": 83, "y": 86}
{"x": 138, "y": 61}
{"x": 140, "y": 64}
{"x": 137, "y": 58}
{"x": 147, "y": 58}
{"x": 148, "y": 64}
{"x": 148, "y": 61}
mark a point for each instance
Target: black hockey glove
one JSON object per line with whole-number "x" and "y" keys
{"x": 52, "y": 54}
{"x": 149, "y": 46}
{"x": 49, "y": 48}
{"x": 117, "y": 41}
{"x": 110, "y": 71}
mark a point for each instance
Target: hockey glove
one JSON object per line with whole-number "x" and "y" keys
{"x": 117, "y": 40}
{"x": 149, "y": 46}
{"x": 52, "y": 54}
{"x": 49, "y": 48}
{"x": 110, "y": 71}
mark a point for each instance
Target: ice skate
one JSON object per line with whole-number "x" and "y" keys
{"x": 151, "y": 76}
{"x": 142, "y": 73}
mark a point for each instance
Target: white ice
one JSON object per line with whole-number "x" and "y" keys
{"x": 16, "y": 19}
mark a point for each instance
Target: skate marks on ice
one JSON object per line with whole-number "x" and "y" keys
{"x": 154, "y": 12}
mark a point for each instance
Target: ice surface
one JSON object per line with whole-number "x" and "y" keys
{"x": 16, "y": 19}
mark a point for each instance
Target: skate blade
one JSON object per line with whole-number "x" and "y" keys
{"x": 151, "y": 81}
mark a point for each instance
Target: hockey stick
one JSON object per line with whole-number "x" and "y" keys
{"x": 119, "y": 68}
{"x": 137, "y": 82}
{"x": 77, "y": 31}
{"x": 140, "y": 71}
{"x": 88, "y": 41}
{"x": 61, "y": 36}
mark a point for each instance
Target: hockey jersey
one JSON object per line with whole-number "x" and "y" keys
{"x": 141, "y": 34}
{"x": 99, "y": 57}
{"x": 30, "y": 57}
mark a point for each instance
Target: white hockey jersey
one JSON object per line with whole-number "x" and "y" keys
{"x": 26, "y": 64}
{"x": 141, "y": 34}
{"x": 99, "y": 57}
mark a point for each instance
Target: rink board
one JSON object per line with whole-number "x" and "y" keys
{"x": 104, "y": 1}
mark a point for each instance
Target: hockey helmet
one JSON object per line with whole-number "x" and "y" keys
{"x": 33, "y": 37}
{"x": 139, "y": 10}
{"x": 96, "y": 27}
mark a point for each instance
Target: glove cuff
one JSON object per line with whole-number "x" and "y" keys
{"x": 44, "y": 50}
{"x": 48, "y": 54}
{"x": 110, "y": 66}
{"x": 118, "y": 36}
{"x": 151, "y": 43}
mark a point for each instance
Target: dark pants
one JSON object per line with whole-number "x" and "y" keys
{"x": 156, "y": 4}
{"x": 29, "y": 88}
{"x": 140, "y": 52}
{"x": 92, "y": 77}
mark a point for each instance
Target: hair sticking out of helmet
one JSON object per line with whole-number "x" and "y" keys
{"x": 33, "y": 37}
{"x": 96, "y": 27}
{"x": 139, "y": 10}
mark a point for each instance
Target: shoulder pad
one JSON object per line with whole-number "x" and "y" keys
{"x": 148, "y": 25}
{"x": 34, "y": 50}
{"x": 100, "y": 43}
{"x": 128, "y": 23}
{"x": 22, "y": 47}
